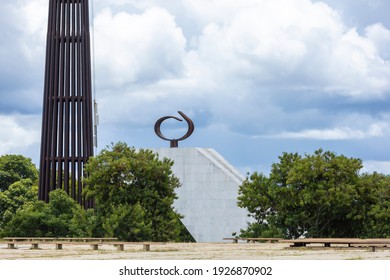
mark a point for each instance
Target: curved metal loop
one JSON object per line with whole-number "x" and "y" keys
{"x": 174, "y": 143}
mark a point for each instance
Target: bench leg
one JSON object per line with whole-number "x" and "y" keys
{"x": 298, "y": 244}
{"x": 11, "y": 246}
{"x": 146, "y": 247}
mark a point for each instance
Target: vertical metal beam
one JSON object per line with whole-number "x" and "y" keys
{"x": 73, "y": 105}
{"x": 67, "y": 123}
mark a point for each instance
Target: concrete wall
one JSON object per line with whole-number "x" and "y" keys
{"x": 208, "y": 195}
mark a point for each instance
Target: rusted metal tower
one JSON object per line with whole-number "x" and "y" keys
{"x": 67, "y": 127}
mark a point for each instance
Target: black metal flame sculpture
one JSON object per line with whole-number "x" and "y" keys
{"x": 174, "y": 143}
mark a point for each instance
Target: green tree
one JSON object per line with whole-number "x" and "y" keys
{"x": 18, "y": 194}
{"x": 127, "y": 222}
{"x": 133, "y": 192}
{"x": 373, "y": 206}
{"x": 29, "y": 220}
{"x": 321, "y": 190}
{"x": 319, "y": 195}
{"x": 61, "y": 217}
{"x": 255, "y": 196}
{"x": 61, "y": 210}
{"x": 14, "y": 168}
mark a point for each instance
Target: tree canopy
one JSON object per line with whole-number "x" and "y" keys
{"x": 18, "y": 194}
{"x": 14, "y": 168}
{"x": 319, "y": 195}
{"x": 315, "y": 195}
{"x": 134, "y": 193}
{"x": 61, "y": 216}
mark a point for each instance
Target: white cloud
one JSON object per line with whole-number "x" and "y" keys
{"x": 378, "y": 129}
{"x": 137, "y": 48}
{"x": 22, "y": 53}
{"x": 295, "y": 44}
{"x": 282, "y": 68}
{"x": 17, "y": 133}
{"x": 380, "y": 37}
{"x": 357, "y": 69}
{"x": 247, "y": 57}
{"x": 30, "y": 19}
{"x": 370, "y": 166}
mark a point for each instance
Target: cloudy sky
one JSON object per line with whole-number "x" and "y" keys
{"x": 257, "y": 77}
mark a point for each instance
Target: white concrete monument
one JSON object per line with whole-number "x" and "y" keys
{"x": 208, "y": 193}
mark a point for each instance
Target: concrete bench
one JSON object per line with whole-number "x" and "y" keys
{"x": 87, "y": 239}
{"x": 350, "y": 242}
{"x": 253, "y": 239}
{"x": 94, "y": 245}
{"x": 371, "y": 246}
{"x": 19, "y": 239}
{"x": 12, "y": 244}
{"x": 261, "y": 239}
{"x": 145, "y": 245}
{"x": 234, "y": 239}
{"x": 58, "y": 245}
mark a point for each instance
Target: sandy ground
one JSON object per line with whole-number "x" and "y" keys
{"x": 192, "y": 251}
